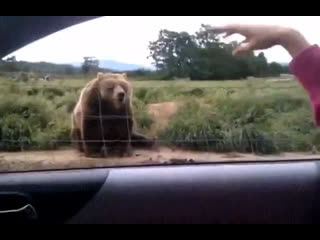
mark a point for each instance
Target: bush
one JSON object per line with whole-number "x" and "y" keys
{"x": 35, "y": 109}
{"x": 28, "y": 122}
{"x": 225, "y": 118}
{"x": 143, "y": 120}
{"x": 141, "y": 94}
{"x": 23, "y": 77}
{"x": 50, "y": 92}
{"x": 197, "y": 92}
{"x": 16, "y": 133}
{"x": 68, "y": 102}
{"x": 33, "y": 91}
{"x": 246, "y": 124}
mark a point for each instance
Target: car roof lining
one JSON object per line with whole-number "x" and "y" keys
{"x": 19, "y": 31}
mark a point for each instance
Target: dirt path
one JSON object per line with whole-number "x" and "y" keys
{"x": 162, "y": 113}
{"x": 67, "y": 159}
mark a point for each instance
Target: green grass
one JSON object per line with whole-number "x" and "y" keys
{"x": 256, "y": 115}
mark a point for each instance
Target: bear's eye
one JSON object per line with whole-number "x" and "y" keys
{"x": 110, "y": 88}
{"x": 125, "y": 88}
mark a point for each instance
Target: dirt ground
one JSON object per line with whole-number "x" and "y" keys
{"x": 70, "y": 159}
{"x": 162, "y": 113}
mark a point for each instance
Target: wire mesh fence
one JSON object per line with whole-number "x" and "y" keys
{"x": 244, "y": 132}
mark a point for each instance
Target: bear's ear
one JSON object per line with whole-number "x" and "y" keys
{"x": 100, "y": 75}
{"x": 125, "y": 75}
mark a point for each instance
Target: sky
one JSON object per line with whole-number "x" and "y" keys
{"x": 126, "y": 38}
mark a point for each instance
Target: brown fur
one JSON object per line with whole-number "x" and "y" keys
{"x": 102, "y": 121}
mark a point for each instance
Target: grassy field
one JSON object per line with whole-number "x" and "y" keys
{"x": 263, "y": 116}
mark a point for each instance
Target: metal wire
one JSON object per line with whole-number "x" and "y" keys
{"x": 141, "y": 141}
{"x": 157, "y": 87}
{"x": 207, "y": 140}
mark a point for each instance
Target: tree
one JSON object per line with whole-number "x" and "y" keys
{"x": 206, "y": 38}
{"x": 11, "y": 59}
{"x": 261, "y": 65}
{"x": 69, "y": 70}
{"x": 10, "y": 65}
{"x": 90, "y": 64}
{"x": 275, "y": 69}
{"x": 285, "y": 69}
{"x": 214, "y": 59}
{"x": 172, "y": 52}
{"x": 203, "y": 56}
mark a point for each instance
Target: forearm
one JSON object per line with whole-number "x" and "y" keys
{"x": 306, "y": 67}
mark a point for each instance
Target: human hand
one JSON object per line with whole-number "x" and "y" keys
{"x": 259, "y": 37}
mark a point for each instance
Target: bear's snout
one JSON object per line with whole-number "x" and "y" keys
{"x": 121, "y": 96}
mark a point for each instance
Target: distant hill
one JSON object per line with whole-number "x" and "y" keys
{"x": 119, "y": 66}
{"x": 114, "y": 65}
{"x": 68, "y": 69}
{"x": 39, "y": 67}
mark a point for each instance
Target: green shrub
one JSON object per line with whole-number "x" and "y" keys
{"x": 16, "y": 133}
{"x": 247, "y": 124}
{"x": 51, "y": 92}
{"x": 247, "y": 116}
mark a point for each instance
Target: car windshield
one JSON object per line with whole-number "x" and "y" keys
{"x": 128, "y": 91}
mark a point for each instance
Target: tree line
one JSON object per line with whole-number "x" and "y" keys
{"x": 199, "y": 56}
{"x": 203, "y": 56}
{"x": 12, "y": 65}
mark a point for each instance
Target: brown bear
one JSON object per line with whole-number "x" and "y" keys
{"x": 102, "y": 120}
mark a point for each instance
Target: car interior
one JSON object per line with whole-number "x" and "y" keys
{"x": 245, "y": 192}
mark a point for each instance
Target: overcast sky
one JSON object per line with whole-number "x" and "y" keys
{"x": 126, "y": 39}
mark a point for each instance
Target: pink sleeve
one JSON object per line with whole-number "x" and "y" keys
{"x": 306, "y": 67}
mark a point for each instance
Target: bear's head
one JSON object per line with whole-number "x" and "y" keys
{"x": 115, "y": 88}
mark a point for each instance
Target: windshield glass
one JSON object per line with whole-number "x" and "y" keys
{"x": 127, "y": 91}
